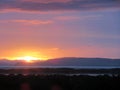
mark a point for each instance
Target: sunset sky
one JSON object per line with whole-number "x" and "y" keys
{"x": 59, "y": 28}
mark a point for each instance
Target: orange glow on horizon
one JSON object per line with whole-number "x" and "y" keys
{"x": 28, "y": 58}
{"x": 31, "y": 52}
{"x": 26, "y": 55}
{"x": 43, "y": 54}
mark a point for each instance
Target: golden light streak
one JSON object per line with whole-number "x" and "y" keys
{"x": 27, "y": 58}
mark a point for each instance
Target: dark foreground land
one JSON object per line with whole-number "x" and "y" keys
{"x": 59, "y": 79}
{"x": 50, "y": 71}
{"x": 59, "y": 82}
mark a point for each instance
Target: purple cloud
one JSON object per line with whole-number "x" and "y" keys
{"x": 39, "y": 5}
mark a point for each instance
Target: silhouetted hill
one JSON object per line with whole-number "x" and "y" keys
{"x": 83, "y": 62}
{"x": 69, "y": 61}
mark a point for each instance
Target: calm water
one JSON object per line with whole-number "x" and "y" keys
{"x": 75, "y": 67}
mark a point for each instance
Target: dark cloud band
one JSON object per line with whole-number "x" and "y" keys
{"x": 54, "y": 5}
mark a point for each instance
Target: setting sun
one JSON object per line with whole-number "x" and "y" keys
{"x": 28, "y": 55}
{"x": 27, "y": 58}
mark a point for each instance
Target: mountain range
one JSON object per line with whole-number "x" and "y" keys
{"x": 67, "y": 61}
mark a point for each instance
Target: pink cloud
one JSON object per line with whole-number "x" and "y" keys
{"x": 28, "y": 22}
{"x": 34, "y": 22}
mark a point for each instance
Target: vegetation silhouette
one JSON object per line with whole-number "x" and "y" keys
{"x": 59, "y": 82}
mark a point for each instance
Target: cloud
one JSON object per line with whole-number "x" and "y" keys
{"x": 57, "y": 5}
{"x": 33, "y": 22}
{"x": 68, "y": 18}
{"x": 28, "y": 22}
{"x": 46, "y": 1}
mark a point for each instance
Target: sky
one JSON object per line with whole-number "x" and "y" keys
{"x": 59, "y": 28}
